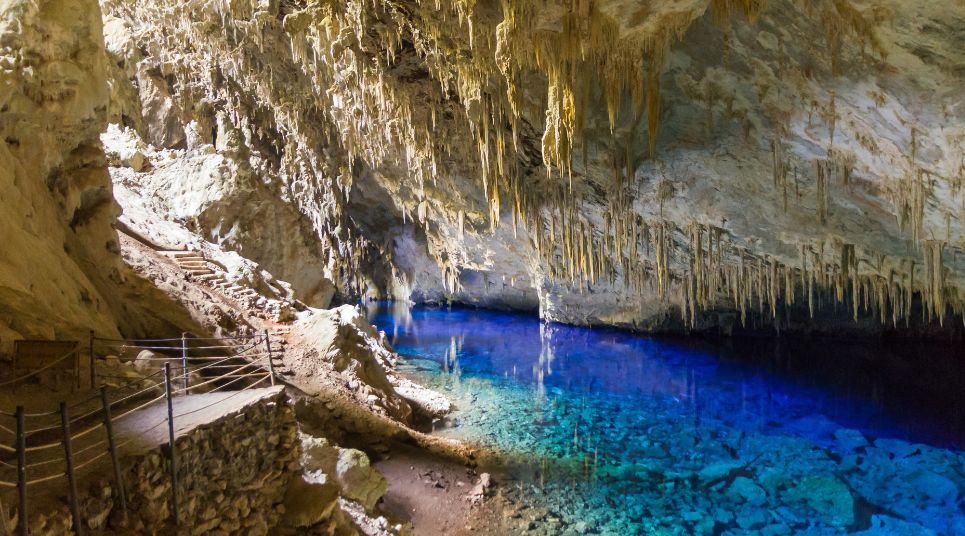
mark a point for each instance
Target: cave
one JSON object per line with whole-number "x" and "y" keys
{"x": 549, "y": 267}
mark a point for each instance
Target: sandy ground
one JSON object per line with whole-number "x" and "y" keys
{"x": 435, "y": 495}
{"x": 439, "y": 498}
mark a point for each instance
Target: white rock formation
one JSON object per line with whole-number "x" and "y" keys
{"x": 339, "y": 348}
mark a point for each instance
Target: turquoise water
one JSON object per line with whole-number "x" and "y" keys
{"x": 613, "y": 433}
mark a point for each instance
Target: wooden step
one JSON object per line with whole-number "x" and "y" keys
{"x": 188, "y": 254}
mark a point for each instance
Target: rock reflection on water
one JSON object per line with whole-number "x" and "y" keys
{"x": 618, "y": 434}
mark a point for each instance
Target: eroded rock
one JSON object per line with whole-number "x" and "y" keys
{"x": 357, "y": 479}
{"x": 342, "y": 341}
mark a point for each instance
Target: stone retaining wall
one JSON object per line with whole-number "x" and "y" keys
{"x": 232, "y": 472}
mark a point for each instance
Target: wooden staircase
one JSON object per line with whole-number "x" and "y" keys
{"x": 196, "y": 267}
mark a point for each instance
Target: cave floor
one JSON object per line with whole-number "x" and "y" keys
{"x": 433, "y": 494}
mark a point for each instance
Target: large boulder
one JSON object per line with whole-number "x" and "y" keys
{"x": 342, "y": 341}
{"x": 329, "y": 471}
{"x": 357, "y": 479}
{"x": 822, "y": 497}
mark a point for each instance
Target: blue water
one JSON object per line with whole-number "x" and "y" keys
{"x": 613, "y": 433}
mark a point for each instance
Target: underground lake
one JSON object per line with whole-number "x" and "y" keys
{"x": 617, "y": 433}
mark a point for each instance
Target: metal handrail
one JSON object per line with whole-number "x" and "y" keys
{"x": 252, "y": 368}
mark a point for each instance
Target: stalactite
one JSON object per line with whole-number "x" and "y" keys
{"x": 910, "y": 291}
{"x": 822, "y": 172}
{"x": 779, "y": 168}
{"x": 653, "y": 109}
{"x": 935, "y": 270}
{"x": 661, "y": 254}
{"x": 374, "y": 116}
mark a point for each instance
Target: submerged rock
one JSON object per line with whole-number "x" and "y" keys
{"x": 751, "y": 516}
{"x": 882, "y": 525}
{"x": 850, "y": 439}
{"x": 822, "y": 498}
{"x": 746, "y": 490}
{"x": 934, "y": 488}
{"x": 717, "y": 470}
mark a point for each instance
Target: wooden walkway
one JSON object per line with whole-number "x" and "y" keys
{"x": 139, "y": 433}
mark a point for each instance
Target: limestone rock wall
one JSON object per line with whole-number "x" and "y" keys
{"x": 177, "y": 199}
{"x": 695, "y": 165}
{"x": 60, "y": 256}
{"x": 61, "y": 272}
{"x": 225, "y": 155}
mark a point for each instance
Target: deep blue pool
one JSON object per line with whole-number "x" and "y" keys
{"x": 636, "y": 435}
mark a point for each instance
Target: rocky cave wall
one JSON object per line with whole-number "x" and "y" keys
{"x": 232, "y": 157}
{"x": 56, "y": 207}
{"x": 796, "y": 160}
{"x": 61, "y": 272}
{"x": 707, "y": 164}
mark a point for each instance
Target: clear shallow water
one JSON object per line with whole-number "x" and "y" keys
{"x": 613, "y": 433}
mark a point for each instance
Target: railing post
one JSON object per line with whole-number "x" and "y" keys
{"x": 184, "y": 360}
{"x": 22, "y": 471}
{"x": 111, "y": 444}
{"x": 90, "y": 352}
{"x": 271, "y": 361}
{"x": 173, "y": 456}
{"x": 71, "y": 477}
